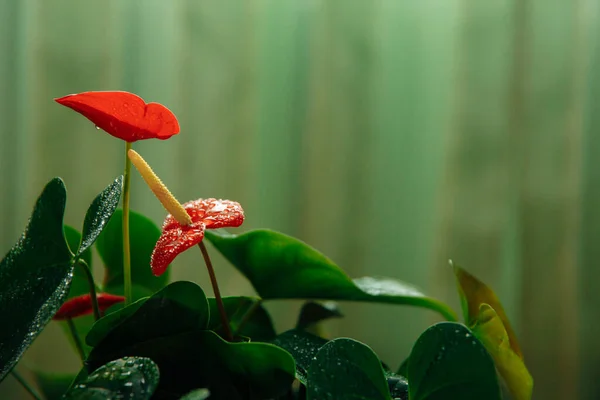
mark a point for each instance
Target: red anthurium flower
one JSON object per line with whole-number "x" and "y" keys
{"x": 124, "y": 115}
{"x": 176, "y": 237}
{"x": 185, "y": 225}
{"x": 82, "y": 305}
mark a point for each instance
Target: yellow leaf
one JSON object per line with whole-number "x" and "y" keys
{"x": 473, "y": 293}
{"x": 490, "y": 331}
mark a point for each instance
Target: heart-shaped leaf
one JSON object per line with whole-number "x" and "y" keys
{"x": 201, "y": 358}
{"x": 303, "y": 346}
{"x": 247, "y": 317}
{"x": 281, "y": 267}
{"x": 179, "y": 307}
{"x": 346, "y": 369}
{"x": 313, "y": 312}
{"x": 447, "y": 362}
{"x": 125, "y": 378}
{"x": 473, "y": 293}
{"x": 99, "y": 213}
{"x": 143, "y": 236}
{"x": 489, "y": 329}
{"x": 35, "y": 276}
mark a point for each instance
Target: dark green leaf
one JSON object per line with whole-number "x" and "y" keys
{"x": 313, "y": 312}
{"x": 281, "y": 267}
{"x": 447, "y": 362}
{"x": 346, "y": 369}
{"x": 179, "y": 307}
{"x": 99, "y": 213}
{"x": 35, "y": 276}
{"x": 246, "y": 313}
{"x": 126, "y": 378}
{"x": 303, "y": 346}
{"x": 143, "y": 234}
{"x": 202, "y": 359}
{"x": 403, "y": 369}
{"x": 53, "y": 385}
{"x": 198, "y": 394}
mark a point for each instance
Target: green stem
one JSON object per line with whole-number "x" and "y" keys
{"x": 215, "y": 286}
{"x": 76, "y": 339}
{"x": 126, "y": 250}
{"x": 25, "y": 385}
{"x": 92, "y": 285}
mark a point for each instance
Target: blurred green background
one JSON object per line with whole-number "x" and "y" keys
{"x": 392, "y": 135}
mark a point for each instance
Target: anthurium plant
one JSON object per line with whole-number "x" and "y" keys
{"x": 141, "y": 336}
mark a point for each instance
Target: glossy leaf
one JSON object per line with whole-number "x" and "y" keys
{"x": 179, "y": 307}
{"x": 281, "y": 267}
{"x": 35, "y": 276}
{"x": 53, "y": 385}
{"x": 489, "y": 329}
{"x": 202, "y": 359}
{"x": 143, "y": 236}
{"x": 125, "y": 378}
{"x": 198, "y": 394}
{"x": 473, "y": 293}
{"x": 313, "y": 312}
{"x": 447, "y": 362}
{"x": 99, "y": 213}
{"x": 303, "y": 346}
{"x": 247, "y": 317}
{"x": 346, "y": 369}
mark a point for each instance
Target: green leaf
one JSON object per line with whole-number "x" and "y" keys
{"x": 303, "y": 346}
{"x": 447, "y": 362}
{"x": 473, "y": 293}
{"x": 313, "y": 312}
{"x": 489, "y": 329}
{"x": 202, "y": 359}
{"x": 53, "y": 385}
{"x": 99, "y": 213}
{"x": 126, "y": 378}
{"x": 245, "y": 312}
{"x": 143, "y": 236}
{"x": 281, "y": 267}
{"x": 179, "y": 307}
{"x": 403, "y": 369}
{"x": 35, "y": 276}
{"x": 346, "y": 369}
{"x": 198, "y": 394}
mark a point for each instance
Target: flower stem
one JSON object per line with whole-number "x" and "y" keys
{"x": 90, "y": 279}
{"x": 126, "y": 250}
{"x": 218, "y": 299}
{"x": 25, "y": 385}
{"x": 76, "y": 339}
